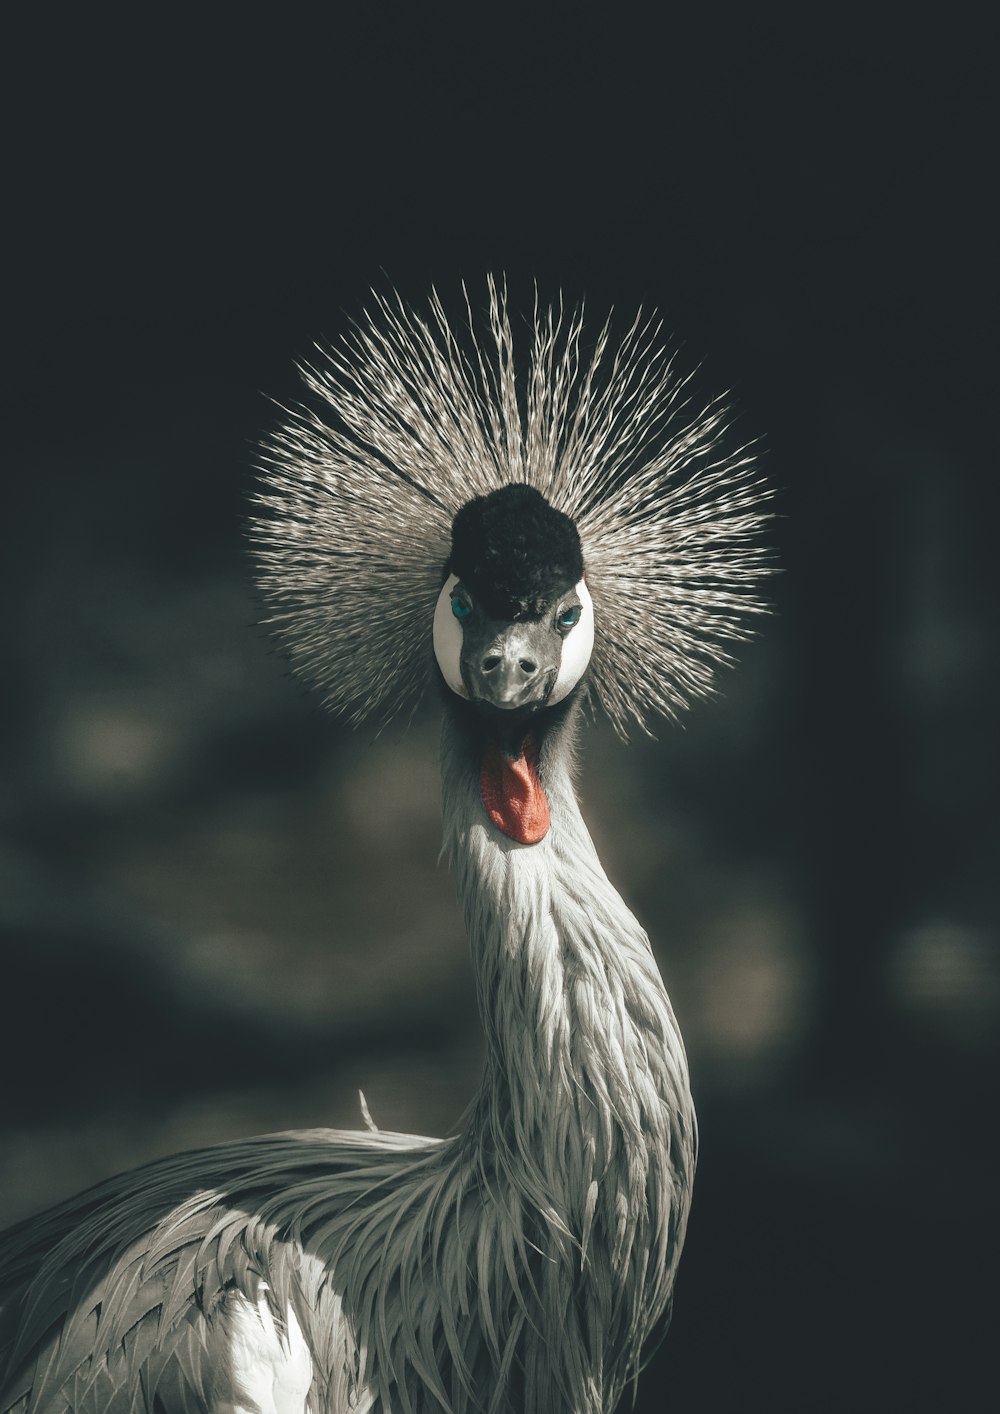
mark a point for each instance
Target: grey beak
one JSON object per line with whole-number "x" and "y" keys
{"x": 512, "y": 668}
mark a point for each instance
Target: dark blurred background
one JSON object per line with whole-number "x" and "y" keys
{"x": 222, "y": 912}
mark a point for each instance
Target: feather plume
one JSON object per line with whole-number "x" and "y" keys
{"x": 411, "y": 417}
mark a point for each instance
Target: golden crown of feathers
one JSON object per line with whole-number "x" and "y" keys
{"x": 413, "y": 416}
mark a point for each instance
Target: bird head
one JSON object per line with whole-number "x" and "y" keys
{"x": 513, "y": 636}
{"x": 514, "y": 621}
{"x": 558, "y": 522}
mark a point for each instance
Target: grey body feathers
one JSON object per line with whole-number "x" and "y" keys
{"x": 517, "y": 1266}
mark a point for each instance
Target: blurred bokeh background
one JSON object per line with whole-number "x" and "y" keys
{"x": 222, "y": 912}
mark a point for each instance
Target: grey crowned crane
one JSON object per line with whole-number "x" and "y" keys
{"x": 527, "y": 547}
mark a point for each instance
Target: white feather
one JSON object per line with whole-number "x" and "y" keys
{"x": 272, "y": 1368}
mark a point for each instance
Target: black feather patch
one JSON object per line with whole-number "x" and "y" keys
{"x": 514, "y": 552}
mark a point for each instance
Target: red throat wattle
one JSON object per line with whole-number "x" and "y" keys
{"x": 513, "y": 795}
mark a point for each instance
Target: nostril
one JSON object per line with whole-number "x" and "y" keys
{"x": 490, "y": 663}
{"x": 528, "y": 667}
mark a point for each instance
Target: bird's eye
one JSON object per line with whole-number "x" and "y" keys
{"x": 461, "y": 608}
{"x": 569, "y": 616}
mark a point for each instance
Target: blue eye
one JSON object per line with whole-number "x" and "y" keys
{"x": 569, "y": 616}
{"x": 461, "y": 608}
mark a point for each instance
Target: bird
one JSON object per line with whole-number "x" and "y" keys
{"x": 529, "y": 537}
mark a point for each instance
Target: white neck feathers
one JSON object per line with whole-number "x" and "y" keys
{"x": 584, "y": 1116}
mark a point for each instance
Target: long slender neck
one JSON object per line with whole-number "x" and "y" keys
{"x": 583, "y": 1131}
{"x": 585, "y": 1069}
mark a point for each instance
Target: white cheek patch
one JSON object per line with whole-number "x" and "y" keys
{"x": 577, "y": 648}
{"x": 448, "y": 639}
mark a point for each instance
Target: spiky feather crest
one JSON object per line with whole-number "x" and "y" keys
{"x": 413, "y": 418}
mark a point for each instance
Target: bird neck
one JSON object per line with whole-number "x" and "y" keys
{"x": 585, "y": 1068}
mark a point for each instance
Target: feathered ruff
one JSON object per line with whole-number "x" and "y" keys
{"x": 412, "y": 418}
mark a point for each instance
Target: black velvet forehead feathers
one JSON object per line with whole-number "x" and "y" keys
{"x": 514, "y": 552}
